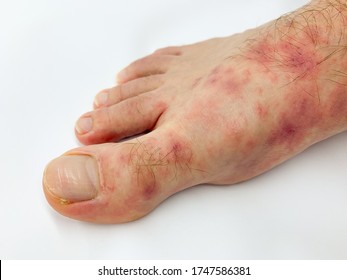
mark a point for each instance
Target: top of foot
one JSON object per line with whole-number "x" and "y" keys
{"x": 220, "y": 111}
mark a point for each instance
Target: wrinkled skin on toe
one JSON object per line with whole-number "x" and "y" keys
{"x": 219, "y": 112}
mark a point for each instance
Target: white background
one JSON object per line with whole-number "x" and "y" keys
{"x": 258, "y": 270}
{"x": 56, "y": 55}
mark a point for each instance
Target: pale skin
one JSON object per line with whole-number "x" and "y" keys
{"x": 219, "y": 112}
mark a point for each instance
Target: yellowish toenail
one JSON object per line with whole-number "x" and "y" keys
{"x": 84, "y": 125}
{"x": 72, "y": 178}
{"x": 101, "y": 99}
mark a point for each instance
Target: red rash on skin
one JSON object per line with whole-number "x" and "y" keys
{"x": 151, "y": 162}
{"x": 261, "y": 111}
{"x": 294, "y": 124}
{"x": 338, "y": 103}
{"x": 229, "y": 80}
{"x": 234, "y": 85}
{"x": 149, "y": 191}
{"x": 144, "y": 173}
{"x": 289, "y": 58}
{"x": 336, "y": 108}
{"x": 177, "y": 148}
{"x": 297, "y": 61}
{"x": 250, "y": 145}
{"x": 296, "y": 64}
{"x": 302, "y": 68}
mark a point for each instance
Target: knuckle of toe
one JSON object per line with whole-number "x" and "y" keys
{"x": 154, "y": 163}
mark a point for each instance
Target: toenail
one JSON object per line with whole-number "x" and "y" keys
{"x": 121, "y": 76}
{"x": 84, "y": 125}
{"x": 101, "y": 99}
{"x": 72, "y": 178}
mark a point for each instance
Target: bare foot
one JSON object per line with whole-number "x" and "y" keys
{"x": 220, "y": 112}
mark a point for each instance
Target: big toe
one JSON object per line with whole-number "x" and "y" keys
{"x": 114, "y": 183}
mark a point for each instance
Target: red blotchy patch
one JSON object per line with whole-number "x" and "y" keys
{"x": 180, "y": 152}
{"x": 233, "y": 84}
{"x": 336, "y": 109}
{"x": 300, "y": 61}
{"x": 214, "y": 76}
{"x": 228, "y": 80}
{"x": 148, "y": 191}
{"x": 261, "y": 111}
{"x": 290, "y": 57}
{"x": 295, "y": 121}
{"x": 176, "y": 147}
{"x": 337, "y": 103}
{"x": 250, "y": 145}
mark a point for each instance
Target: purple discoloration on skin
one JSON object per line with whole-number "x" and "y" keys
{"x": 293, "y": 59}
{"x": 149, "y": 191}
{"x": 295, "y": 123}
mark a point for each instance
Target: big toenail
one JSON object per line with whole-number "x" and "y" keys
{"x": 72, "y": 178}
{"x": 84, "y": 125}
{"x": 101, "y": 99}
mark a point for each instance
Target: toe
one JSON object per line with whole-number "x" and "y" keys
{"x": 127, "y": 118}
{"x": 130, "y": 89}
{"x": 113, "y": 183}
{"x": 149, "y": 65}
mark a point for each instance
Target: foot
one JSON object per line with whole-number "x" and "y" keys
{"x": 218, "y": 112}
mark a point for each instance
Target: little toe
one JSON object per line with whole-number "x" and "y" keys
{"x": 127, "y": 90}
{"x": 127, "y": 118}
{"x": 149, "y": 65}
